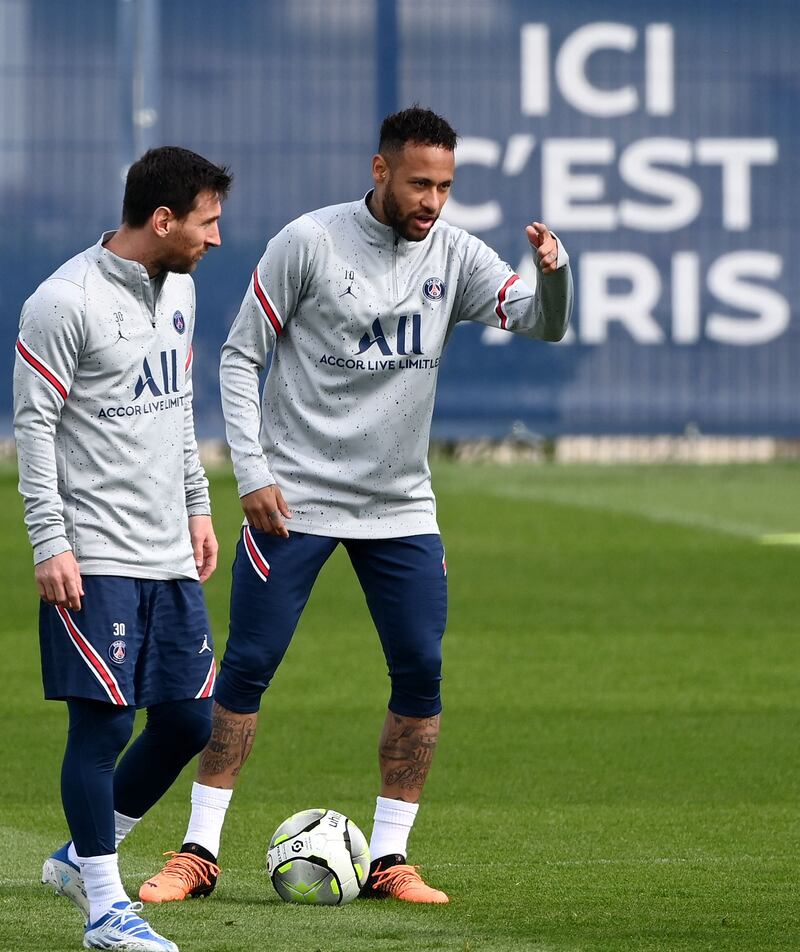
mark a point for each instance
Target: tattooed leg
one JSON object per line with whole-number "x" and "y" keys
{"x": 228, "y": 748}
{"x": 405, "y": 754}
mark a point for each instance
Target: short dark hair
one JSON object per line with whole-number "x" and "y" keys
{"x": 416, "y": 124}
{"x": 172, "y": 177}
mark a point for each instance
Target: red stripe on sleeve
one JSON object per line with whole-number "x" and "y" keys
{"x": 264, "y": 302}
{"x": 501, "y": 297}
{"x": 39, "y": 367}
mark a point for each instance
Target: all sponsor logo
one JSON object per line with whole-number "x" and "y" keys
{"x": 166, "y": 370}
{"x": 159, "y": 378}
{"x": 407, "y": 337}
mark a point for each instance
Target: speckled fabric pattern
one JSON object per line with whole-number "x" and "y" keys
{"x": 103, "y": 418}
{"x": 356, "y": 320}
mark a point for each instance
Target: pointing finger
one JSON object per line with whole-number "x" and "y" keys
{"x": 543, "y": 230}
{"x": 533, "y": 236}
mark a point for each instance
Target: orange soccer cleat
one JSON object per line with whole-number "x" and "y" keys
{"x": 400, "y": 881}
{"x": 190, "y": 873}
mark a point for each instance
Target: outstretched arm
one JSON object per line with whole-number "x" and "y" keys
{"x": 494, "y": 294}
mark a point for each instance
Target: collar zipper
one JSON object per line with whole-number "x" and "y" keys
{"x": 394, "y": 268}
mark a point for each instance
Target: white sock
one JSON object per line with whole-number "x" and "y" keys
{"x": 208, "y": 814}
{"x": 103, "y": 885}
{"x": 72, "y": 854}
{"x": 122, "y": 827}
{"x": 393, "y": 822}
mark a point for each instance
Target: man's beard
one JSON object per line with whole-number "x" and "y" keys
{"x": 177, "y": 263}
{"x": 400, "y": 223}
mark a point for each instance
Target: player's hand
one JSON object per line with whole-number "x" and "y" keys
{"x": 59, "y": 581}
{"x": 204, "y": 545}
{"x": 545, "y": 244}
{"x": 265, "y": 509}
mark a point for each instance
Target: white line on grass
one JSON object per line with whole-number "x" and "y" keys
{"x": 781, "y": 538}
{"x": 742, "y": 530}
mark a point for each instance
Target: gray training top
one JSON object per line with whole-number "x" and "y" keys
{"x": 358, "y": 318}
{"x": 108, "y": 462}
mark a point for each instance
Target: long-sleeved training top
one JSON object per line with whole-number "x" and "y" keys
{"x": 356, "y": 318}
{"x": 108, "y": 462}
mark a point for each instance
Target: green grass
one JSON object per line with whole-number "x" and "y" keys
{"x": 618, "y": 768}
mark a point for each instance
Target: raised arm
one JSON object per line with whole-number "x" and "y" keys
{"x": 494, "y": 294}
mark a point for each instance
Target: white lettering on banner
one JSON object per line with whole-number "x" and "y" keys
{"x": 681, "y": 195}
{"x": 736, "y": 156}
{"x": 685, "y": 297}
{"x": 726, "y": 280}
{"x": 577, "y": 200}
{"x": 562, "y": 187}
{"x": 633, "y": 308}
{"x": 475, "y": 151}
{"x": 535, "y": 69}
{"x": 733, "y": 279}
{"x": 659, "y": 67}
{"x": 655, "y": 184}
{"x": 571, "y": 63}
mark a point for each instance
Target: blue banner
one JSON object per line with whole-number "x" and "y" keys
{"x": 660, "y": 142}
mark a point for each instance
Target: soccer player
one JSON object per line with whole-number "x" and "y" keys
{"x": 118, "y": 514}
{"x": 355, "y": 303}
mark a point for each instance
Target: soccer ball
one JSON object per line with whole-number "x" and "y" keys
{"x": 319, "y": 857}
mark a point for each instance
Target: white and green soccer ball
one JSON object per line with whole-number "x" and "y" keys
{"x": 319, "y": 857}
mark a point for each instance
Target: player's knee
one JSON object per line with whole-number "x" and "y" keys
{"x": 194, "y": 724}
{"x": 419, "y": 702}
{"x": 99, "y": 727}
{"x": 422, "y": 666}
{"x": 243, "y": 678}
{"x": 119, "y": 728}
{"x": 185, "y": 725}
{"x": 415, "y": 685}
{"x": 238, "y": 694}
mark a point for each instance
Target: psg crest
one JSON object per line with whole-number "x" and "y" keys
{"x": 433, "y": 289}
{"x": 116, "y": 651}
{"x": 178, "y": 322}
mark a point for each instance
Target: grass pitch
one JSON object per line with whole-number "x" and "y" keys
{"x": 618, "y": 767}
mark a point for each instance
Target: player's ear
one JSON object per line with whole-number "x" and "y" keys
{"x": 161, "y": 219}
{"x": 380, "y": 168}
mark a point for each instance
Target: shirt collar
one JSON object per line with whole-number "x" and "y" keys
{"x": 122, "y": 269}
{"x": 385, "y": 235}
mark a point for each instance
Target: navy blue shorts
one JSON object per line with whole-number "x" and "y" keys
{"x": 134, "y": 642}
{"x": 404, "y": 581}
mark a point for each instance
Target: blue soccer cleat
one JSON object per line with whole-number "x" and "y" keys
{"x": 122, "y": 928}
{"x": 66, "y": 880}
